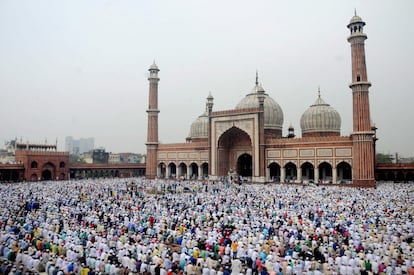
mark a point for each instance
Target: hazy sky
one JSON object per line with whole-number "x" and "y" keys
{"x": 79, "y": 67}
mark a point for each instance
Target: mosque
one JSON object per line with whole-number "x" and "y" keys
{"x": 247, "y": 143}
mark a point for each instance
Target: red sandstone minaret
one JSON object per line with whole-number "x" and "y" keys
{"x": 152, "y": 131}
{"x": 362, "y": 135}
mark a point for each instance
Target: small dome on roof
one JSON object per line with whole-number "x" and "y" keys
{"x": 320, "y": 117}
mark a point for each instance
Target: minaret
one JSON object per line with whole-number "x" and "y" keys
{"x": 152, "y": 131}
{"x": 362, "y": 135}
{"x": 209, "y": 104}
{"x": 261, "y": 177}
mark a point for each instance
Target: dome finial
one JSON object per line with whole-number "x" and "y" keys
{"x": 257, "y": 78}
{"x": 355, "y": 13}
{"x": 319, "y": 91}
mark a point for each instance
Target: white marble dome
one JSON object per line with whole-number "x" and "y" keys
{"x": 320, "y": 117}
{"x": 199, "y": 128}
{"x": 273, "y": 114}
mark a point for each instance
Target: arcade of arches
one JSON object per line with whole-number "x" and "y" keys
{"x": 191, "y": 170}
{"x": 398, "y": 176}
{"x": 307, "y": 172}
{"x": 401, "y": 172}
{"x": 85, "y": 171}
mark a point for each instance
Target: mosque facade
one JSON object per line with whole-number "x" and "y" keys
{"x": 247, "y": 143}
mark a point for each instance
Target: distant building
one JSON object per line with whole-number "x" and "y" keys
{"x": 126, "y": 158}
{"x": 79, "y": 146}
{"x": 131, "y": 158}
{"x": 406, "y": 160}
{"x": 100, "y": 156}
{"x": 7, "y": 156}
{"x": 86, "y": 157}
{"x": 114, "y": 158}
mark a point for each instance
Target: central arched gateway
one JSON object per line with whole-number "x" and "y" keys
{"x": 234, "y": 146}
{"x": 245, "y": 165}
{"x": 46, "y": 175}
{"x": 193, "y": 171}
{"x": 48, "y": 171}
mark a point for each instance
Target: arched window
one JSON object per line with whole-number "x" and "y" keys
{"x": 33, "y": 165}
{"x": 274, "y": 171}
{"x": 62, "y": 164}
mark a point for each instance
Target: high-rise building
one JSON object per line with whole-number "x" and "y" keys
{"x": 79, "y": 146}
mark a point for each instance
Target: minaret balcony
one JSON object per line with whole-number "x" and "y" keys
{"x": 362, "y": 84}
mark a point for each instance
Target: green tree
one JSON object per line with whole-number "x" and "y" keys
{"x": 384, "y": 158}
{"x": 76, "y": 159}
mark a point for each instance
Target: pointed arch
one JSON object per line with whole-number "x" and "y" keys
{"x": 182, "y": 170}
{"x": 400, "y": 176}
{"x": 291, "y": 172}
{"x": 173, "y": 170}
{"x": 325, "y": 172}
{"x": 47, "y": 174}
{"x": 49, "y": 165}
{"x": 204, "y": 168}
{"x": 162, "y": 168}
{"x": 381, "y": 176}
{"x": 274, "y": 172}
{"x": 193, "y": 170}
{"x": 308, "y": 172}
{"x": 48, "y": 171}
{"x": 230, "y": 144}
{"x": 244, "y": 165}
{"x": 409, "y": 176}
{"x": 344, "y": 172}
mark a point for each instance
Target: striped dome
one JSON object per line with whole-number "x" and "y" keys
{"x": 273, "y": 114}
{"x": 320, "y": 117}
{"x": 199, "y": 128}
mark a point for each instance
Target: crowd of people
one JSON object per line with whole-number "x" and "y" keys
{"x": 139, "y": 226}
